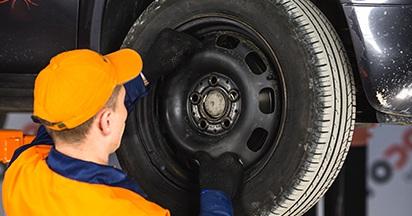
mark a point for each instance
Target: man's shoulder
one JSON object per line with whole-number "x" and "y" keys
{"x": 28, "y": 165}
{"x": 31, "y": 155}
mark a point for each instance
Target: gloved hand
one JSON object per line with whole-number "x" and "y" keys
{"x": 168, "y": 51}
{"x": 224, "y": 173}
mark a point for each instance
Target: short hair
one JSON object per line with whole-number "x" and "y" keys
{"x": 79, "y": 133}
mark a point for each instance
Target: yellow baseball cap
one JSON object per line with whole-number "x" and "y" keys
{"x": 77, "y": 84}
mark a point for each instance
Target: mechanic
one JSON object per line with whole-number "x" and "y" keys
{"x": 81, "y": 100}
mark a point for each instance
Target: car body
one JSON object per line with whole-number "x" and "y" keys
{"x": 34, "y": 31}
{"x": 381, "y": 32}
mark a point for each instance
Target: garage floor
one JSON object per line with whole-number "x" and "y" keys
{"x": 389, "y": 192}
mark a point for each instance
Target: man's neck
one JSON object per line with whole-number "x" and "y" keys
{"x": 83, "y": 151}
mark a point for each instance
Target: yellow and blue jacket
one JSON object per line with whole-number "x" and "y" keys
{"x": 42, "y": 181}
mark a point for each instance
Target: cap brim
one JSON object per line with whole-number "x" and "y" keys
{"x": 128, "y": 64}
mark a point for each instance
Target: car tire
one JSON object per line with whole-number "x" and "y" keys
{"x": 316, "y": 103}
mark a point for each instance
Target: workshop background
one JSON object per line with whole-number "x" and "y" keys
{"x": 376, "y": 179}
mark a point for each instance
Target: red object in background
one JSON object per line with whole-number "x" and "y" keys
{"x": 10, "y": 140}
{"x": 397, "y": 150}
{"x": 401, "y": 151}
{"x": 407, "y": 139}
{"x": 362, "y": 134}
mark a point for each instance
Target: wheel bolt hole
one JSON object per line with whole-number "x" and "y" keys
{"x": 213, "y": 80}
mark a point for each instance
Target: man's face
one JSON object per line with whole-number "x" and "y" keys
{"x": 120, "y": 115}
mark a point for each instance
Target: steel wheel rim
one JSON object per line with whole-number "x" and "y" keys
{"x": 182, "y": 173}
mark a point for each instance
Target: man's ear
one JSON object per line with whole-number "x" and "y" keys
{"x": 105, "y": 121}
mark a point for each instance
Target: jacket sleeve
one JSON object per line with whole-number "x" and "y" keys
{"x": 135, "y": 89}
{"x": 215, "y": 203}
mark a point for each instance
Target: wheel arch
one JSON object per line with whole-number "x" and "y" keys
{"x": 333, "y": 10}
{"x": 116, "y": 20}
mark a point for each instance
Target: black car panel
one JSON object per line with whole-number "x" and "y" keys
{"x": 381, "y": 37}
{"x": 34, "y": 32}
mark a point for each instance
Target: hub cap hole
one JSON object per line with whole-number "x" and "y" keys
{"x": 203, "y": 124}
{"x": 266, "y": 101}
{"x": 257, "y": 139}
{"x": 227, "y": 41}
{"x": 226, "y": 123}
{"x": 255, "y": 63}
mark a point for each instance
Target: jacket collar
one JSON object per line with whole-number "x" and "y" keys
{"x": 90, "y": 172}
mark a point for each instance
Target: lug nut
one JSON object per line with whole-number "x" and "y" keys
{"x": 195, "y": 98}
{"x": 233, "y": 95}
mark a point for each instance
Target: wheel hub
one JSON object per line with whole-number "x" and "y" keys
{"x": 214, "y": 104}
